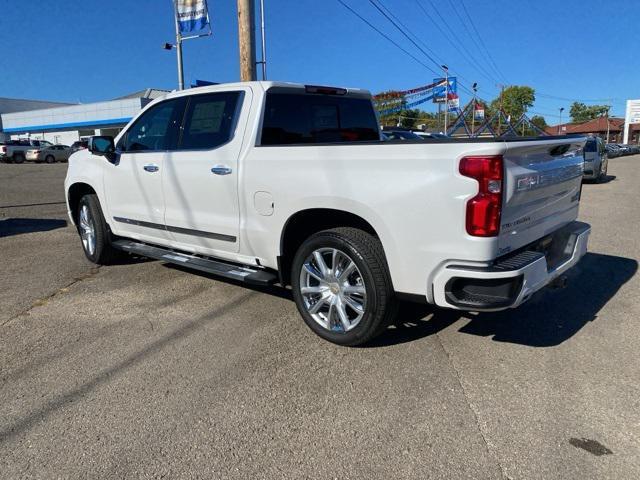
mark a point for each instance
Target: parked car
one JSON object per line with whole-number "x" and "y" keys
{"x": 430, "y": 134}
{"x": 624, "y": 149}
{"x": 50, "y": 154}
{"x": 270, "y": 182}
{"x": 596, "y": 161}
{"x": 16, "y": 151}
{"x": 393, "y": 134}
{"x": 79, "y": 145}
{"x": 612, "y": 150}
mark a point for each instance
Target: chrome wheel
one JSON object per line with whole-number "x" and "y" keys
{"x": 333, "y": 290}
{"x": 87, "y": 230}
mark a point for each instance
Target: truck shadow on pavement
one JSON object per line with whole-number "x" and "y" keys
{"x": 17, "y": 226}
{"x": 551, "y": 317}
{"x": 548, "y": 319}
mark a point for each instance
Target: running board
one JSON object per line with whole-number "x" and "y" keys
{"x": 217, "y": 267}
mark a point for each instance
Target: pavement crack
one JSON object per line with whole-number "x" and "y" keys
{"x": 44, "y": 300}
{"x": 471, "y": 408}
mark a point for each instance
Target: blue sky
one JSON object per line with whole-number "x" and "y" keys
{"x": 90, "y": 50}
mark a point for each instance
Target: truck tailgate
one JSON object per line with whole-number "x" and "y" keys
{"x": 543, "y": 180}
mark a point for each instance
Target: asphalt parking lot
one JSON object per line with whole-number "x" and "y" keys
{"x": 143, "y": 370}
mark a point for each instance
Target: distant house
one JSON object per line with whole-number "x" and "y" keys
{"x": 598, "y": 126}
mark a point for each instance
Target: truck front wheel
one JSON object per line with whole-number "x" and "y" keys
{"x": 342, "y": 287}
{"x": 94, "y": 232}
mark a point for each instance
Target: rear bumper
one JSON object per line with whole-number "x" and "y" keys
{"x": 512, "y": 280}
{"x": 590, "y": 170}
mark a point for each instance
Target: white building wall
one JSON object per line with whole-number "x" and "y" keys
{"x": 632, "y": 117}
{"x": 91, "y": 114}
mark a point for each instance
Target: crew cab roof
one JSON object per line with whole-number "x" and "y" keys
{"x": 268, "y": 85}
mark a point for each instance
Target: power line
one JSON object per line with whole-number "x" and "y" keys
{"x": 584, "y": 100}
{"x": 408, "y": 31}
{"x": 463, "y": 23}
{"x": 489, "y": 56}
{"x": 466, "y": 54}
{"x": 377, "y": 30}
{"x": 457, "y": 39}
{"x": 386, "y": 36}
{"x": 408, "y": 34}
{"x": 388, "y": 17}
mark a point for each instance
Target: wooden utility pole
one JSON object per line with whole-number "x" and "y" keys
{"x": 247, "y": 40}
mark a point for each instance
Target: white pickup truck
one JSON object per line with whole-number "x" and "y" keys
{"x": 15, "y": 151}
{"x": 269, "y": 182}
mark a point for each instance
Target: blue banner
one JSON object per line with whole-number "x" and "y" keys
{"x": 439, "y": 96}
{"x": 193, "y": 16}
{"x": 408, "y": 105}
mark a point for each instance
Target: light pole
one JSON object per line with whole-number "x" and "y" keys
{"x": 473, "y": 109}
{"x": 446, "y": 97}
{"x": 263, "y": 41}
{"x": 500, "y": 112}
{"x": 178, "y": 49}
{"x": 560, "y": 126}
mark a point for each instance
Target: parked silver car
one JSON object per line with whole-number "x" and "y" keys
{"x": 50, "y": 154}
{"x": 596, "y": 160}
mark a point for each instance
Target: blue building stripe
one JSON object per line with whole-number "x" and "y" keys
{"x": 62, "y": 126}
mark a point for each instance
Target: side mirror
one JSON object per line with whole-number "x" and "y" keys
{"x": 103, "y": 145}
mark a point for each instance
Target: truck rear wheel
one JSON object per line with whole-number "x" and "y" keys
{"x": 18, "y": 158}
{"x": 342, "y": 287}
{"x": 94, "y": 232}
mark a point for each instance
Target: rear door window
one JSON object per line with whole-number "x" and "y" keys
{"x": 590, "y": 146}
{"x": 291, "y": 118}
{"x": 209, "y": 120}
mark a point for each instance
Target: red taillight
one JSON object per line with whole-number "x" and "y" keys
{"x": 483, "y": 210}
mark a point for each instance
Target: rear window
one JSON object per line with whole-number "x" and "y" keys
{"x": 590, "y": 146}
{"x": 291, "y": 119}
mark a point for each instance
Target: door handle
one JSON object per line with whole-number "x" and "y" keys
{"x": 150, "y": 167}
{"x": 221, "y": 170}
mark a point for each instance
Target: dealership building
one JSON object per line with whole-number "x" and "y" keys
{"x": 63, "y": 123}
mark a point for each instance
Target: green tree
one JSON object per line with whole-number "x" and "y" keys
{"x": 583, "y": 113}
{"x": 515, "y": 100}
{"x": 539, "y": 122}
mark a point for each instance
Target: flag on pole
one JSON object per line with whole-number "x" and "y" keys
{"x": 193, "y": 16}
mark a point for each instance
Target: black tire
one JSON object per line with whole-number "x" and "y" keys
{"x": 103, "y": 253}
{"x": 18, "y": 158}
{"x": 50, "y": 159}
{"x": 367, "y": 253}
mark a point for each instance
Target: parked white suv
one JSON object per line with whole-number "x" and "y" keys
{"x": 268, "y": 182}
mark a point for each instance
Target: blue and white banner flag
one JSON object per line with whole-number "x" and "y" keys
{"x": 193, "y": 16}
